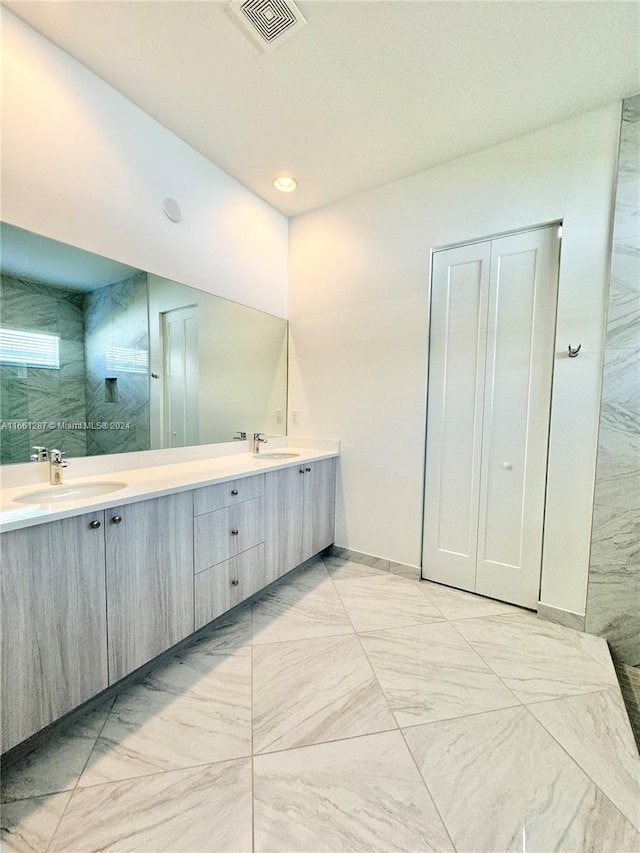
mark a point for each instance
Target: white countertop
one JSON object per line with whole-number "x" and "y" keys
{"x": 142, "y": 483}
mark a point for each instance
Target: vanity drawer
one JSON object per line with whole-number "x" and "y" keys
{"x": 234, "y": 492}
{"x": 223, "y": 586}
{"x": 226, "y": 532}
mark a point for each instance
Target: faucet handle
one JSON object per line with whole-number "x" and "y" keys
{"x": 259, "y": 436}
{"x": 56, "y": 458}
{"x": 41, "y": 454}
{"x": 240, "y": 436}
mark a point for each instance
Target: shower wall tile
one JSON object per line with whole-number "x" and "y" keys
{"x": 615, "y": 537}
{"x": 623, "y": 316}
{"x": 614, "y": 573}
{"x": 41, "y": 395}
{"x": 612, "y": 609}
{"x": 617, "y": 480}
{"x": 116, "y": 319}
{"x": 621, "y": 383}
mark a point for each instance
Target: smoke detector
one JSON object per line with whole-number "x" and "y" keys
{"x": 269, "y": 23}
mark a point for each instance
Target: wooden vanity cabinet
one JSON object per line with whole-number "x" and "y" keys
{"x": 301, "y": 513}
{"x": 149, "y": 547}
{"x": 54, "y": 633}
{"x": 89, "y": 599}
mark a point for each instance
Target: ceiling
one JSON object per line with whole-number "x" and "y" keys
{"x": 368, "y": 92}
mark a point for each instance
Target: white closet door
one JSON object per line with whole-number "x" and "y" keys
{"x": 180, "y": 380}
{"x": 459, "y": 301}
{"x": 519, "y": 365}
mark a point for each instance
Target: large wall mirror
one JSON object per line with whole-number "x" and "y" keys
{"x": 98, "y": 357}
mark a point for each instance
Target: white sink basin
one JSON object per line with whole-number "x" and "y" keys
{"x": 267, "y": 456}
{"x": 57, "y": 494}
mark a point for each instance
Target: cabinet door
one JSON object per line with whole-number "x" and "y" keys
{"x": 284, "y": 505}
{"x": 318, "y": 518}
{"x": 54, "y": 633}
{"x": 149, "y": 579}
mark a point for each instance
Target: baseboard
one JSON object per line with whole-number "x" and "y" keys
{"x": 561, "y": 617}
{"x": 380, "y": 563}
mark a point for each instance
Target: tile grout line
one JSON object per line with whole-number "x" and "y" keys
{"x": 399, "y": 728}
{"x": 84, "y": 766}
{"x": 356, "y": 633}
{"x": 488, "y": 665}
{"x": 134, "y": 779}
{"x": 395, "y": 627}
{"x": 522, "y": 701}
{"x": 465, "y": 641}
{"x": 424, "y": 782}
{"x": 366, "y": 656}
{"x": 574, "y": 760}
{"x": 448, "y": 621}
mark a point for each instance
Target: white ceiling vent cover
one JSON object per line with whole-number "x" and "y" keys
{"x": 269, "y": 23}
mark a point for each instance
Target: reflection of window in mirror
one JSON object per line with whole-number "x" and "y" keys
{"x": 29, "y": 349}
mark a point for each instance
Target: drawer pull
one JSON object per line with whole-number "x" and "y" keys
{"x": 234, "y": 492}
{"x": 307, "y": 470}
{"x": 94, "y": 525}
{"x": 116, "y": 519}
{"x": 301, "y": 471}
{"x": 234, "y": 532}
{"x": 235, "y": 582}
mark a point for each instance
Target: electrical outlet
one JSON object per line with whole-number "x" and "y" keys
{"x": 294, "y": 416}
{"x": 278, "y": 416}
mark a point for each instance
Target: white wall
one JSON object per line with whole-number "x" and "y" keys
{"x": 82, "y": 164}
{"x": 242, "y": 364}
{"x": 358, "y": 307}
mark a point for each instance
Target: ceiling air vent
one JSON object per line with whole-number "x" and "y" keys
{"x": 269, "y": 22}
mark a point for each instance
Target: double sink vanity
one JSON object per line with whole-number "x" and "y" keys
{"x": 103, "y": 573}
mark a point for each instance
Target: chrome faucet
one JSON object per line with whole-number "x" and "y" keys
{"x": 56, "y": 464}
{"x": 41, "y": 454}
{"x": 258, "y": 439}
{"x": 241, "y": 436}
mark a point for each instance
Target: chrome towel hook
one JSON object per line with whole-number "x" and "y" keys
{"x": 573, "y": 351}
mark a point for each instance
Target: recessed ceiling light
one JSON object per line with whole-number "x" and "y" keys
{"x": 285, "y": 183}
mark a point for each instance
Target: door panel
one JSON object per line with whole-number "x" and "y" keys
{"x": 456, "y": 375}
{"x": 521, "y": 330}
{"x": 318, "y": 524}
{"x": 180, "y": 381}
{"x": 284, "y": 495}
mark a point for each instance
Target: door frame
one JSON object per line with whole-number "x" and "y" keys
{"x": 454, "y": 245}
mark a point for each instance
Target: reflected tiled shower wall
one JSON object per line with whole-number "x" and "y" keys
{"x": 613, "y": 598}
{"x": 36, "y": 395}
{"x": 117, "y": 366}
{"x": 103, "y": 377}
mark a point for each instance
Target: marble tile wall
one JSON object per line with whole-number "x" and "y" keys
{"x": 613, "y": 597}
{"x": 116, "y": 324}
{"x": 33, "y": 395}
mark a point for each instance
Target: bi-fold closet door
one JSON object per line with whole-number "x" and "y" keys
{"x": 492, "y": 339}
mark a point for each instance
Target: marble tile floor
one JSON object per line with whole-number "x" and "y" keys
{"x": 347, "y": 709}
